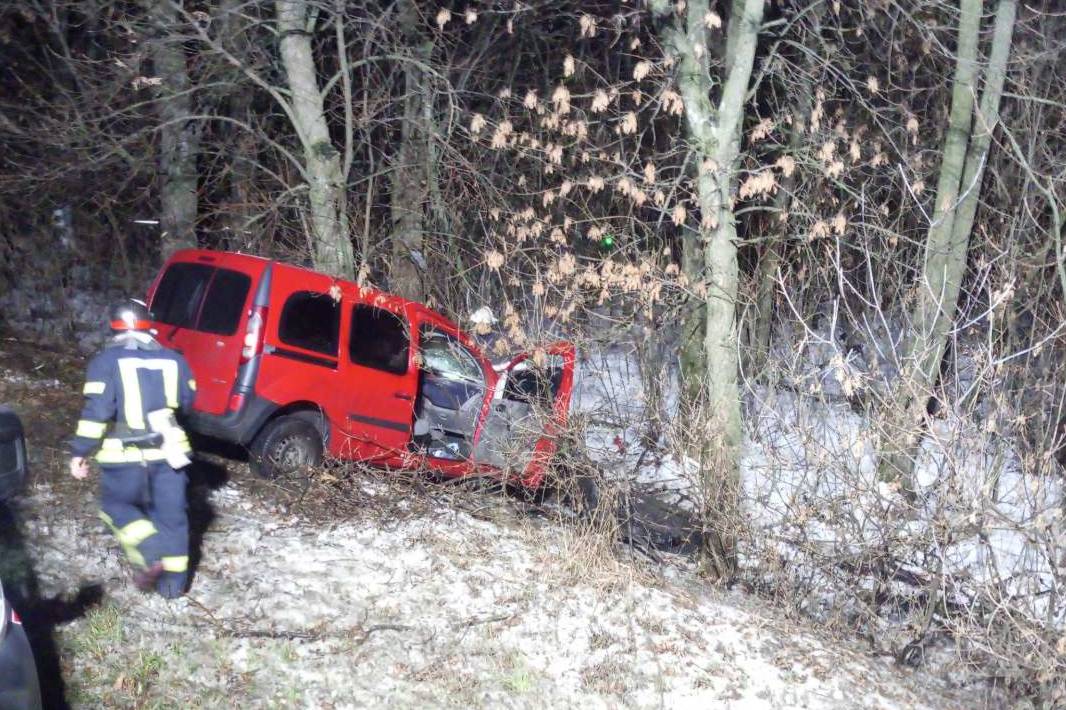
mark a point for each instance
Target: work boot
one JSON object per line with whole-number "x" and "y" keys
{"x": 171, "y": 585}
{"x": 145, "y": 579}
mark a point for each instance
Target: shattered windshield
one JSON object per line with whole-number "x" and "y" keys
{"x": 443, "y": 355}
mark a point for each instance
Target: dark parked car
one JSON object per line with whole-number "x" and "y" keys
{"x": 18, "y": 673}
{"x": 19, "y": 689}
{"x": 12, "y": 454}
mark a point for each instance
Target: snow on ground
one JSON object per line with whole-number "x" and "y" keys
{"x": 811, "y": 493}
{"x": 437, "y": 608}
{"x": 812, "y": 464}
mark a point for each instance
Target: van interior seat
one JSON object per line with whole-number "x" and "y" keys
{"x": 448, "y": 407}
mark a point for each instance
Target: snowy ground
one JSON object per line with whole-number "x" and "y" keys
{"x": 439, "y": 607}
{"x": 808, "y": 471}
{"x": 414, "y": 594}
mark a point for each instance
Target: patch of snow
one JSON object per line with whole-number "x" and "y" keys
{"x": 812, "y": 494}
{"x": 444, "y": 609}
{"x": 28, "y": 381}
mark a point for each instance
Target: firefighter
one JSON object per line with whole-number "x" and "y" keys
{"x": 134, "y": 387}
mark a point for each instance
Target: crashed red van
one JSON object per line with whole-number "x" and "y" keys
{"x": 292, "y": 364}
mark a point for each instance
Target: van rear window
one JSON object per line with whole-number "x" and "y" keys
{"x": 311, "y": 321}
{"x": 224, "y": 303}
{"x": 177, "y": 299}
{"x": 181, "y": 291}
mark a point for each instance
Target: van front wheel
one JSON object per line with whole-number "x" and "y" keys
{"x": 285, "y": 446}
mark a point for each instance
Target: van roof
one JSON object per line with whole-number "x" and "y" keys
{"x": 222, "y": 257}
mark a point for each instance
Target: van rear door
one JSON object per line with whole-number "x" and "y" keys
{"x": 200, "y": 307}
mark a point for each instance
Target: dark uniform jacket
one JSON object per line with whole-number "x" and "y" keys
{"x": 125, "y": 381}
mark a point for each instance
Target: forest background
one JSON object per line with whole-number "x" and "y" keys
{"x": 834, "y": 230}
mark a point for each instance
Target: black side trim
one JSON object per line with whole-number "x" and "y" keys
{"x": 383, "y": 423}
{"x": 303, "y": 357}
{"x": 239, "y": 427}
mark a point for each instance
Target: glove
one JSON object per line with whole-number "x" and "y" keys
{"x": 79, "y": 468}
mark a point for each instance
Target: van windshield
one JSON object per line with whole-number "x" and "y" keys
{"x": 180, "y": 298}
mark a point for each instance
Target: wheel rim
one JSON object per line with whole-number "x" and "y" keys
{"x": 291, "y": 453}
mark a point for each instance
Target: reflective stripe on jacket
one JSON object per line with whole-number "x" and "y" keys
{"x": 123, "y": 383}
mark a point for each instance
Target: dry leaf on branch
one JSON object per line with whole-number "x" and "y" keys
{"x": 818, "y": 230}
{"x": 760, "y": 184}
{"x": 840, "y": 223}
{"x": 588, "y": 26}
{"x": 912, "y": 128}
{"x": 762, "y": 130}
{"x": 561, "y": 99}
{"x": 503, "y": 131}
{"x": 568, "y": 65}
{"x": 600, "y": 102}
{"x": 673, "y": 103}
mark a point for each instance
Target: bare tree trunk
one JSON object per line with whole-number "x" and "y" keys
{"x": 957, "y": 195}
{"x": 411, "y": 173}
{"x": 242, "y": 154}
{"x": 322, "y": 161}
{"x": 771, "y": 257}
{"x": 693, "y": 357}
{"x": 714, "y": 133}
{"x": 179, "y": 139}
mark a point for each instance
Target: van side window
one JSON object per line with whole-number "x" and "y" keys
{"x": 224, "y": 302}
{"x": 379, "y": 339}
{"x": 180, "y": 291}
{"x": 311, "y": 321}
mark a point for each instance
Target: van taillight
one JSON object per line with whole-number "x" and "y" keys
{"x": 236, "y": 401}
{"x": 254, "y": 334}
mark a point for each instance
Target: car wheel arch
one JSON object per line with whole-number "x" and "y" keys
{"x": 278, "y": 439}
{"x": 308, "y": 411}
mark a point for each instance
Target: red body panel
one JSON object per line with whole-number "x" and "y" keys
{"x": 378, "y": 405}
{"x": 370, "y": 412}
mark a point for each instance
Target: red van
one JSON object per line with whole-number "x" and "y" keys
{"x": 292, "y": 363}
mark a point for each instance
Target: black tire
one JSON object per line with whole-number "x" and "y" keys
{"x": 285, "y": 446}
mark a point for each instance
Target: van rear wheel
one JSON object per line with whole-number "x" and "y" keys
{"x": 285, "y": 446}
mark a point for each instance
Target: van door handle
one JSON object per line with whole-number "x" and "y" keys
{"x": 404, "y": 396}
